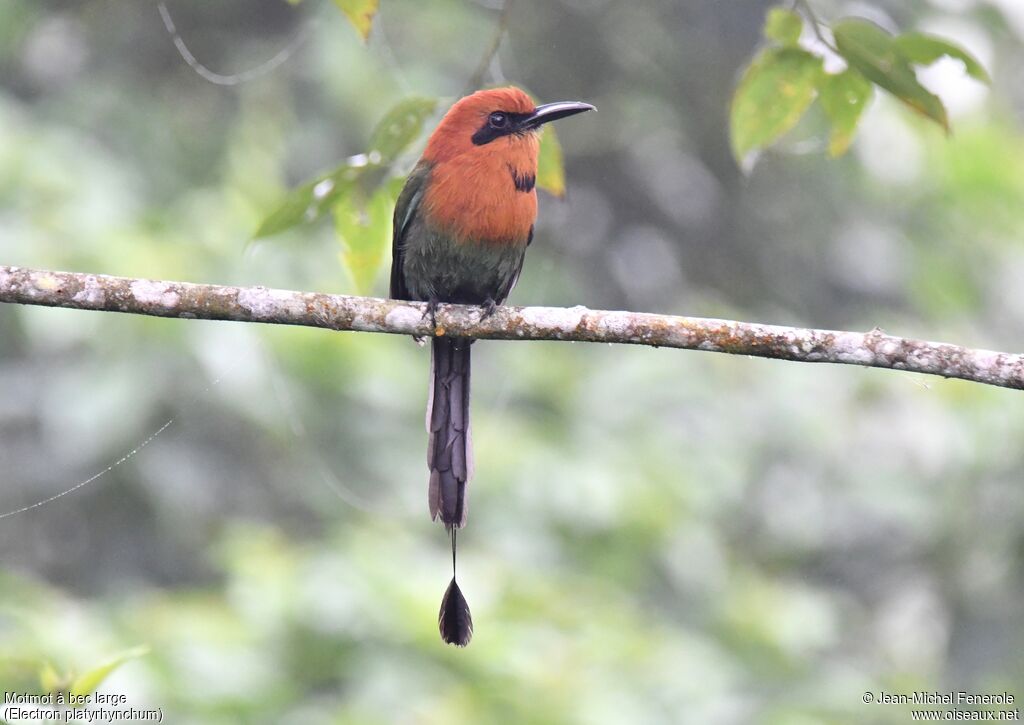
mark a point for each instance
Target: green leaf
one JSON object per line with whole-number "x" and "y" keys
{"x": 400, "y": 126}
{"x": 88, "y": 682}
{"x": 843, "y": 96}
{"x": 50, "y": 680}
{"x": 309, "y": 202}
{"x": 550, "y": 164}
{"x": 773, "y": 94}
{"x": 364, "y": 229}
{"x": 783, "y": 26}
{"x": 291, "y": 211}
{"x": 360, "y": 13}
{"x": 925, "y": 49}
{"x": 872, "y": 51}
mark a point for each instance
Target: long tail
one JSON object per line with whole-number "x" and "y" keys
{"x": 450, "y": 460}
{"x": 449, "y": 447}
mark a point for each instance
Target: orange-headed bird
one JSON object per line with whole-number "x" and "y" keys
{"x": 462, "y": 225}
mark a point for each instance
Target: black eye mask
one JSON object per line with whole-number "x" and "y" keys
{"x": 501, "y": 123}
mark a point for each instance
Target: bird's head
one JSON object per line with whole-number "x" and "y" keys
{"x": 497, "y": 119}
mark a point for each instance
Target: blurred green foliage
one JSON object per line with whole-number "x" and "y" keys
{"x": 654, "y": 536}
{"x": 781, "y": 83}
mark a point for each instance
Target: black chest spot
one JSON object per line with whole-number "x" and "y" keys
{"x": 523, "y": 182}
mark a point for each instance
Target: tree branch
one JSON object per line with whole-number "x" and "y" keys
{"x": 369, "y": 314}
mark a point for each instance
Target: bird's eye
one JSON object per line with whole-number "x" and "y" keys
{"x": 498, "y": 120}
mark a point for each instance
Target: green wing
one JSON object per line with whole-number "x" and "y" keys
{"x": 406, "y": 208}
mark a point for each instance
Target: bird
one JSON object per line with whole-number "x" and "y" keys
{"x": 462, "y": 223}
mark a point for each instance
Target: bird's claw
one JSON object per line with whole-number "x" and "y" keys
{"x": 488, "y": 308}
{"x": 431, "y": 311}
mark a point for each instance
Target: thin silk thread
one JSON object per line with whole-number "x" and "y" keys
{"x": 87, "y": 481}
{"x": 123, "y": 458}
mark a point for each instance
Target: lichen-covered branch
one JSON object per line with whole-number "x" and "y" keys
{"x": 368, "y": 314}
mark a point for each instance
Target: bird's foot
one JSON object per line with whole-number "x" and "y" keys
{"x": 488, "y": 308}
{"x": 431, "y": 311}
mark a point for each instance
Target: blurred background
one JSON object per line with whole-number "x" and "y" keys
{"x": 655, "y": 536}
